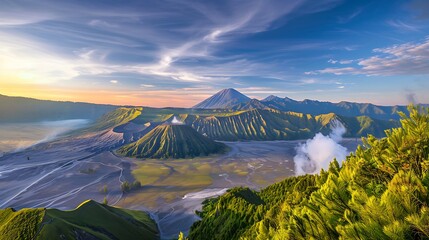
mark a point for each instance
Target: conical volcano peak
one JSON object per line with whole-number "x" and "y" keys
{"x": 172, "y": 141}
{"x": 225, "y": 98}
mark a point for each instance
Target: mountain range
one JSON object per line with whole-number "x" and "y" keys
{"x": 234, "y": 100}
{"x": 21, "y": 109}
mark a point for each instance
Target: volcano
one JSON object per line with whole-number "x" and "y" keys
{"x": 172, "y": 141}
{"x": 224, "y": 99}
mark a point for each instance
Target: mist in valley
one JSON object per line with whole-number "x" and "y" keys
{"x": 19, "y": 136}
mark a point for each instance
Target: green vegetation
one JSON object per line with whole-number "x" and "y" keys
{"x": 87, "y": 171}
{"x": 104, "y": 189}
{"x": 164, "y": 114}
{"x": 380, "y": 192}
{"x": 22, "y": 224}
{"x": 169, "y": 180}
{"x": 171, "y": 141}
{"x": 127, "y": 187}
{"x": 229, "y": 125}
{"x": 114, "y": 118}
{"x": 268, "y": 124}
{"x": 95, "y": 220}
{"x": 90, "y": 220}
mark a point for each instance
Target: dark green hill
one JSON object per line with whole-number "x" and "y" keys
{"x": 380, "y": 192}
{"x": 171, "y": 141}
{"x": 90, "y": 220}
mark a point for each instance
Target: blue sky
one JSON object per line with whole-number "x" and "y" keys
{"x": 176, "y": 53}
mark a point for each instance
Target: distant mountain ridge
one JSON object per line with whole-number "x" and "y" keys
{"x": 348, "y": 109}
{"x": 21, "y": 109}
{"x": 225, "y": 98}
{"x": 238, "y": 101}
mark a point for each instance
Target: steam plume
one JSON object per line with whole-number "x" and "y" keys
{"x": 318, "y": 152}
{"x": 176, "y": 121}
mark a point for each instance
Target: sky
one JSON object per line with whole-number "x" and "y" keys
{"x": 179, "y": 52}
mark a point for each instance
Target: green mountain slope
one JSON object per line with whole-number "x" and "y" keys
{"x": 90, "y": 220}
{"x": 379, "y": 192}
{"x": 23, "y": 224}
{"x": 171, "y": 141}
{"x": 114, "y": 118}
{"x": 254, "y": 124}
{"x": 268, "y": 124}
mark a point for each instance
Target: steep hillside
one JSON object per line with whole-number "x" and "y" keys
{"x": 270, "y": 124}
{"x": 252, "y": 104}
{"x": 254, "y": 124}
{"x": 379, "y": 192}
{"x": 114, "y": 118}
{"x": 23, "y": 224}
{"x": 90, "y": 220}
{"x": 171, "y": 141}
{"x": 20, "y": 109}
{"x": 225, "y": 98}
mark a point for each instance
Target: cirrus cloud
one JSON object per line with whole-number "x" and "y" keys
{"x": 403, "y": 59}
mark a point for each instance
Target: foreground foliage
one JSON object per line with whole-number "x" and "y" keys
{"x": 379, "y": 192}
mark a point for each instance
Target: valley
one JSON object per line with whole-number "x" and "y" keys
{"x": 63, "y": 173}
{"x": 167, "y": 161}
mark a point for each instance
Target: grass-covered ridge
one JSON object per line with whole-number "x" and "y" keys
{"x": 90, "y": 220}
{"x": 172, "y": 141}
{"x": 229, "y": 125}
{"x": 22, "y": 224}
{"x": 379, "y": 192}
{"x": 115, "y": 118}
{"x": 268, "y": 124}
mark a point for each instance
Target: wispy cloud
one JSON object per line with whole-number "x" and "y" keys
{"x": 332, "y": 61}
{"x": 400, "y": 25}
{"x": 403, "y": 59}
{"x": 155, "y": 42}
{"x": 348, "y": 18}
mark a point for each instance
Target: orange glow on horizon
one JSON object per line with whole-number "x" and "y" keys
{"x": 151, "y": 98}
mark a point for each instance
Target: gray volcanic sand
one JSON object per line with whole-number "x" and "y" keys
{"x": 63, "y": 173}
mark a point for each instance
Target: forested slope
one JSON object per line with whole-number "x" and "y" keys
{"x": 380, "y": 192}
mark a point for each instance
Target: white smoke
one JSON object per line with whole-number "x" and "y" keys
{"x": 318, "y": 152}
{"x": 19, "y": 136}
{"x": 176, "y": 121}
